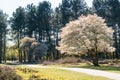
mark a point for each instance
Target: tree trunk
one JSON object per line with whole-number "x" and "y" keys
{"x": 95, "y": 62}
{"x": 36, "y": 58}
{"x": 95, "y": 52}
{"x": 4, "y": 44}
{"x": 24, "y": 55}
{"x": 116, "y": 44}
{"x": 19, "y": 51}
{"x": 95, "y": 59}
{"x": 49, "y": 38}
{"x": 0, "y": 50}
{"x": 29, "y": 54}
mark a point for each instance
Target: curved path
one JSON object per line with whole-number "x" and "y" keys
{"x": 106, "y": 74}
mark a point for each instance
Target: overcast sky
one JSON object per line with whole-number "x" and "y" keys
{"x": 8, "y": 6}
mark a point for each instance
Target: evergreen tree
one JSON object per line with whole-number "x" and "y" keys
{"x": 79, "y": 7}
{"x": 56, "y": 24}
{"x": 110, "y": 10}
{"x": 44, "y": 13}
{"x": 31, "y": 15}
{"x": 17, "y": 23}
{"x": 65, "y": 11}
{"x": 3, "y": 26}
{"x": 72, "y": 9}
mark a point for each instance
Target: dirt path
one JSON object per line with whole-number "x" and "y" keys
{"x": 106, "y": 74}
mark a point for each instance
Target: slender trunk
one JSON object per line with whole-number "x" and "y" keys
{"x": 21, "y": 56}
{"x": 57, "y": 53}
{"x": 57, "y": 44}
{"x": 0, "y": 50}
{"x": 29, "y": 54}
{"x": 20, "y": 37}
{"x": 57, "y": 38}
{"x": 4, "y": 47}
{"x": 116, "y": 44}
{"x": 19, "y": 51}
{"x": 24, "y": 56}
{"x": 75, "y": 14}
{"x": 48, "y": 35}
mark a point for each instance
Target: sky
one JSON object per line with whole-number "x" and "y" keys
{"x": 9, "y": 6}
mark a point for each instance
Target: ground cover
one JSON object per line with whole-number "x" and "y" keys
{"x": 53, "y": 74}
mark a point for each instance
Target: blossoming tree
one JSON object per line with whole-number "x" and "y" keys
{"x": 89, "y": 35}
{"x": 31, "y": 47}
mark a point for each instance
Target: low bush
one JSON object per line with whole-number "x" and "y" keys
{"x": 72, "y": 60}
{"x": 7, "y": 73}
{"x": 109, "y": 61}
{"x": 34, "y": 77}
{"x": 48, "y": 63}
{"x": 27, "y": 70}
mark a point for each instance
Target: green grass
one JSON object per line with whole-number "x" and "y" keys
{"x": 104, "y": 67}
{"x": 57, "y": 74}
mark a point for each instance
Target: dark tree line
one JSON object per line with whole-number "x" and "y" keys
{"x": 110, "y": 10}
{"x": 3, "y": 30}
{"x": 44, "y": 23}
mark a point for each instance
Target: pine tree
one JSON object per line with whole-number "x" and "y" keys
{"x": 3, "y": 26}
{"x": 17, "y": 23}
{"x": 110, "y": 10}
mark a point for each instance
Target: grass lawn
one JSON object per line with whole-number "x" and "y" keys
{"x": 54, "y": 74}
{"x": 103, "y": 67}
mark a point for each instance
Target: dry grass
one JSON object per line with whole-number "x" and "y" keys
{"x": 55, "y": 74}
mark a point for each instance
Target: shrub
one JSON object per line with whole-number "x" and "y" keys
{"x": 48, "y": 63}
{"x": 7, "y": 73}
{"x": 109, "y": 61}
{"x": 34, "y": 77}
{"x": 27, "y": 70}
{"x": 72, "y": 60}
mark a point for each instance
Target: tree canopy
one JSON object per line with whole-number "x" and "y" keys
{"x": 85, "y": 35}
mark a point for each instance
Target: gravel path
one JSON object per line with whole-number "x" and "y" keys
{"x": 35, "y": 66}
{"x": 106, "y": 74}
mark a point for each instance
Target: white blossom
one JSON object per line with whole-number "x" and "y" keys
{"x": 84, "y": 34}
